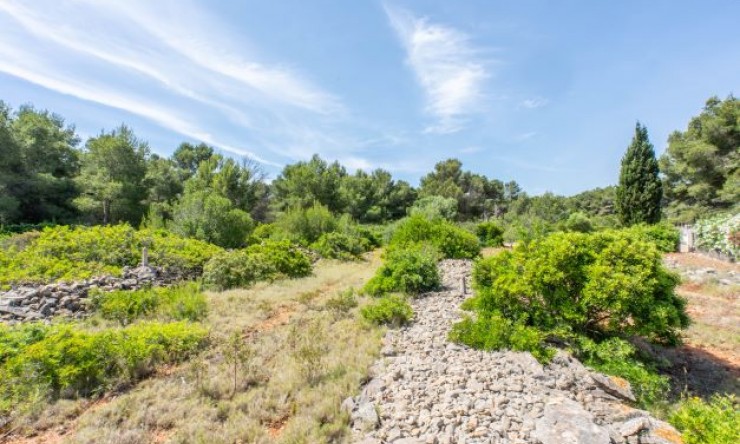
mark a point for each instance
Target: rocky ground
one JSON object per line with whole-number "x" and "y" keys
{"x": 427, "y": 390}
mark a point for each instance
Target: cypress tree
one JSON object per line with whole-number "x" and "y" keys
{"x": 640, "y": 190}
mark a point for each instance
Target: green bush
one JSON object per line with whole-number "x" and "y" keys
{"x": 180, "y": 303}
{"x": 490, "y": 234}
{"x": 410, "y": 269}
{"x": 435, "y": 207}
{"x": 493, "y": 332}
{"x": 210, "y": 217}
{"x": 72, "y": 253}
{"x": 714, "y": 422}
{"x": 340, "y": 246}
{"x": 451, "y": 241}
{"x": 305, "y": 225}
{"x": 342, "y": 302}
{"x": 665, "y": 236}
{"x": 67, "y": 360}
{"x": 596, "y": 285}
{"x": 390, "y": 310}
{"x": 719, "y": 233}
{"x": 578, "y": 222}
{"x": 268, "y": 260}
{"x": 617, "y": 357}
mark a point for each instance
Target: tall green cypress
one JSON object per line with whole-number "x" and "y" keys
{"x": 640, "y": 190}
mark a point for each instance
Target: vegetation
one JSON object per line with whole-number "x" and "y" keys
{"x": 702, "y": 164}
{"x": 266, "y": 261}
{"x": 664, "y": 236}
{"x": 449, "y": 240}
{"x": 41, "y": 362}
{"x": 640, "y": 191}
{"x": 490, "y": 234}
{"x": 411, "y": 269}
{"x": 595, "y": 285}
{"x": 716, "y": 421}
{"x": 184, "y": 302}
{"x": 66, "y": 253}
{"x": 391, "y": 310}
{"x": 720, "y": 233}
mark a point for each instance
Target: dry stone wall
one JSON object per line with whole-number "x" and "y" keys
{"x": 34, "y": 302}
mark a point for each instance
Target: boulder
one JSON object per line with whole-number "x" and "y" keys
{"x": 567, "y": 422}
{"x": 617, "y": 387}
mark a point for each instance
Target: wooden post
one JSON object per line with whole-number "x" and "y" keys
{"x": 145, "y": 257}
{"x": 464, "y": 286}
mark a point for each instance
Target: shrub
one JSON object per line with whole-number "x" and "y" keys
{"x": 268, "y": 260}
{"x": 579, "y": 223}
{"x": 597, "y": 285}
{"x": 714, "y": 422}
{"x": 412, "y": 269}
{"x": 451, "y": 241}
{"x": 390, "y": 310}
{"x": 490, "y": 234}
{"x": 66, "y": 360}
{"x": 305, "y": 225}
{"x": 663, "y": 235}
{"x": 493, "y": 332}
{"x": 617, "y": 357}
{"x": 342, "y": 302}
{"x": 339, "y": 246}
{"x": 182, "y": 302}
{"x": 435, "y": 207}
{"x": 71, "y": 253}
{"x": 212, "y": 218}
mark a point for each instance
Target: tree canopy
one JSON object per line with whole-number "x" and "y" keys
{"x": 639, "y": 192}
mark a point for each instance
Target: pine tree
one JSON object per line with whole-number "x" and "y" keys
{"x": 640, "y": 190}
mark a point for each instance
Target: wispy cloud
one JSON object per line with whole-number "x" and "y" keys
{"x": 169, "y": 62}
{"x": 534, "y": 102}
{"x": 449, "y": 69}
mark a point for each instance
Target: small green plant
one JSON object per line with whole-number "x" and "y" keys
{"x": 307, "y": 342}
{"x": 391, "y": 310}
{"x": 618, "y": 357}
{"x": 409, "y": 269}
{"x": 238, "y": 355}
{"x": 181, "y": 302}
{"x": 494, "y": 332}
{"x": 490, "y": 234}
{"x": 342, "y": 302}
{"x": 716, "y": 421}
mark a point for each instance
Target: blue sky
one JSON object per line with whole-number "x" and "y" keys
{"x": 543, "y": 92}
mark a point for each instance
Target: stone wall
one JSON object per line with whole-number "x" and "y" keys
{"x": 32, "y": 302}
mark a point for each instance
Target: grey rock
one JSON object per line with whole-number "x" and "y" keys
{"x": 634, "y": 426}
{"x": 567, "y": 422}
{"x": 348, "y": 405}
{"x": 365, "y": 417}
{"x": 616, "y": 387}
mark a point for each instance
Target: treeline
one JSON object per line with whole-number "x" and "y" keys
{"x": 47, "y": 175}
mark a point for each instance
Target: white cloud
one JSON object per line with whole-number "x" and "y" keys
{"x": 533, "y": 103}
{"x": 448, "y": 68}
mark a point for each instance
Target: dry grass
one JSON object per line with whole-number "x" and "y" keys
{"x": 297, "y": 361}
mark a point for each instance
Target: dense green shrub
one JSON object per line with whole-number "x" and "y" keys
{"x": 617, "y": 357}
{"x": 578, "y": 222}
{"x": 180, "y": 303}
{"x": 268, "y": 260}
{"x": 340, "y": 246}
{"x": 451, "y": 241}
{"x": 70, "y": 253}
{"x": 409, "y": 269}
{"x": 490, "y": 234}
{"x": 207, "y": 216}
{"x": 597, "y": 285}
{"x": 67, "y": 360}
{"x": 664, "y": 235}
{"x": 390, "y": 310}
{"x": 305, "y": 225}
{"x": 716, "y": 421}
{"x": 435, "y": 207}
{"x": 492, "y": 331}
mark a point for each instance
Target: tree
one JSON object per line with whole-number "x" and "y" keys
{"x": 304, "y": 183}
{"x": 205, "y": 215}
{"x": 444, "y": 181}
{"x": 11, "y": 167}
{"x": 188, "y": 157}
{"x": 112, "y": 177}
{"x": 702, "y": 164}
{"x": 640, "y": 190}
{"x": 375, "y": 197}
